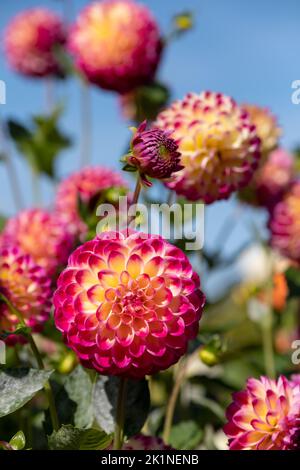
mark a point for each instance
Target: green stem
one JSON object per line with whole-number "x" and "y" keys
{"x": 120, "y": 418}
{"x": 39, "y": 360}
{"x": 268, "y": 350}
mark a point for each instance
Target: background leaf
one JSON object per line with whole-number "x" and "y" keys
{"x": 24, "y": 383}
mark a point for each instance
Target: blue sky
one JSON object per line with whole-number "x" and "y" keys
{"x": 247, "y": 49}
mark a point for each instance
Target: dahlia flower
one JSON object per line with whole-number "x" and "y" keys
{"x": 141, "y": 442}
{"x": 218, "y": 144}
{"x": 41, "y": 234}
{"x": 266, "y": 127}
{"x": 265, "y": 416}
{"x": 27, "y": 286}
{"x": 284, "y": 224}
{"x": 270, "y": 181}
{"x": 30, "y": 40}
{"x": 90, "y": 185}
{"x": 154, "y": 153}
{"x": 128, "y": 303}
{"x": 116, "y": 44}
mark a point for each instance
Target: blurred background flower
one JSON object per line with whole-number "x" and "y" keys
{"x": 41, "y": 234}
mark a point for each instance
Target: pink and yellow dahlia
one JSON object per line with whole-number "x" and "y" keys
{"x": 28, "y": 288}
{"x": 128, "y": 304}
{"x": 295, "y": 380}
{"x": 265, "y": 416}
{"x": 91, "y": 185}
{"x": 270, "y": 181}
{"x": 284, "y": 224}
{"x": 154, "y": 153}
{"x": 218, "y": 144}
{"x": 41, "y": 234}
{"x": 266, "y": 127}
{"x": 30, "y": 40}
{"x": 116, "y": 44}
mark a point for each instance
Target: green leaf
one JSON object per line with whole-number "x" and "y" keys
{"x": 79, "y": 387}
{"x": 137, "y": 404}
{"x": 293, "y": 280}
{"x": 71, "y": 438}
{"x": 42, "y": 143}
{"x": 18, "y": 386}
{"x": 18, "y": 441}
{"x": 186, "y": 435}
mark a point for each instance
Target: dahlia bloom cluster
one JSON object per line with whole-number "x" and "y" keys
{"x": 28, "y": 287}
{"x": 154, "y": 153}
{"x": 219, "y": 146}
{"x": 40, "y": 234}
{"x": 265, "y": 416}
{"x": 128, "y": 303}
{"x": 88, "y": 185}
{"x": 116, "y": 44}
{"x": 266, "y": 127}
{"x": 29, "y": 42}
{"x": 284, "y": 224}
{"x": 271, "y": 180}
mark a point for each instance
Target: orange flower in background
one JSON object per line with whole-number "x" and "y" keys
{"x": 116, "y": 44}
{"x": 266, "y": 127}
{"x": 153, "y": 153}
{"x": 219, "y": 146}
{"x": 30, "y": 41}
